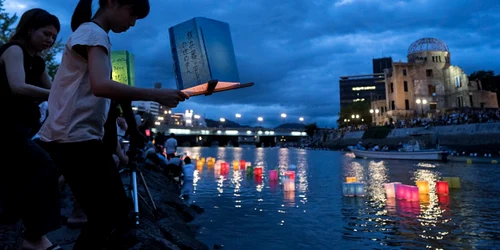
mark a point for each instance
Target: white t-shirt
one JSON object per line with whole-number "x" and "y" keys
{"x": 75, "y": 113}
{"x": 170, "y": 145}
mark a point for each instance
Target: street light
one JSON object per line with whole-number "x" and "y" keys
{"x": 260, "y": 119}
{"x": 238, "y": 115}
{"x": 421, "y": 103}
{"x": 301, "y": 119}
{"x": 222, "y": 119}
{"x": 283, "y": 115}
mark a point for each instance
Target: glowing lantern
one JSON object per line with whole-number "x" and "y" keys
{"x": 273, "y": 175}
{"x": 350, "y": 179}
{"x": 148, "y": 132}
{"x": 199, "y": 164}
{"x": 453, "y": 182}
{"x": 442, "y": 187}
{"x": 348, "y": 189}
{"x": 257, "y": 171}
{"x": 424, "y": 198}
{"x": 290, "y": 175}
{"x": 390, "y": 189}
{"x": 401, "y": 191}
{"x": 423, "y": 187}
{"x": 249, "y": 170}
{"x": 236, "y": 164}
{"x": 412, "y": 194}
{"x": 289, "y": 186}
{"x": 242, "y": 164}
{"x": 224, "y": 168}
{"x": 359, "y": 188}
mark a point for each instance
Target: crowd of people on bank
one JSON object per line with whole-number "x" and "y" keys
{"x": 78, "y": 138}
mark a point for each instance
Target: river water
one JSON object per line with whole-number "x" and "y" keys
{"x": 243, "y": 212}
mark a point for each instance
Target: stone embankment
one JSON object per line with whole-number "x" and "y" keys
{"x": 482, "y": 137}
{"x": 172, "y": 229}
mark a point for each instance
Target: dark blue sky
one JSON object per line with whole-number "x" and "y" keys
{"x": 295, "y": 51}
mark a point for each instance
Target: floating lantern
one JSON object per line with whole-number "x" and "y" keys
{"x": 469, "y": 161}
{"x": 453, "y": 182}
{"x": 444, "y": 200}
{"x": 348, "y": 189}
{"x": 199, "y": 164}
{"x": 224, "y": 168}
{"x": 350, "y": 179}
{"x": 494, "y": 162}
{"x": 423, "y": 187}
{"x": 236, "y": 164}
{"x": 243, "y": 164}
{"x": 442, "y": 187}
{"x": 413, "y": 194}
{"x": 290, "y": 175}
{"x": 289, "y": 185}
{"x": 359, "y": 188}
{"x": 424, "y": 198}
{"x": 249, "y": 170}
{"x": 273, "y": 175}
{"x": 257, "y": 171}
{"x": 390, "y": 189}
{"x": 401, "y": 191}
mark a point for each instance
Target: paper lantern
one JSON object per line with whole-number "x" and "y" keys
{"x": 224, "y": 168}
{"x": 350, "y": 179}
{"x": 455, "y": 182}
{"x": 258, "y": 179}
{"x": 257, "y": 171}
{"x": 444, "y": 200}
{"x": 359, "y": 188}
{"x": 199, "y": 164}
{"x": 423, "y": 187}
{"x": 290, "y": 175}
{"x": 243, "y": 164}
{"x": 401, "y": 192}
{"x": 348, "y": 189}
{"x": 249, "y": 170}
{"x": 442, "y": 187}
{"x": 390, "y": 189}
{"x": 413, "y": 194}
{"x": 424, "y": 198}
{"x": 289, "y": 185}
{"x": 236, "y": 164}
{"x": 273, "y": 175}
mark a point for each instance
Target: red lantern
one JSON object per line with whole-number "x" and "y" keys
{"x": 290, "y": 175}
{"x": 243, "y": 164}
{"x": 257, "y": 171}
{"x": 442, "y": 187}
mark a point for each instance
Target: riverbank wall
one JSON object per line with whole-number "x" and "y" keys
{"x": 480, "y": 137}
{"x": 172, "y": 228}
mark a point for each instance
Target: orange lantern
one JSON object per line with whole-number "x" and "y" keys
{"x": 350, "y": 179}
{"x": 423, "y": 187}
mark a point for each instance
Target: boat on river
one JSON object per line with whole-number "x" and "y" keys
{"x": 410, "y": 151}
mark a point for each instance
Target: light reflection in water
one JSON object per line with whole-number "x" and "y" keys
{"x": 221, "y": 153}
{"x": 259, "y": 156}
{"x": 237, "y": 153}
{"x": 377, "y": 176}
{"x": 302, "y": 175}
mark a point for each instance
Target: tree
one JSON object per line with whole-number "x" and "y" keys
{"x": 7, "y": 29}
{"x": 311, "y": 129}
{"x": 362, "y": 109}
{"x": 489, "y": 81}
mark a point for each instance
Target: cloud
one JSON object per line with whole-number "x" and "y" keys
{"x": 295, "y": 51}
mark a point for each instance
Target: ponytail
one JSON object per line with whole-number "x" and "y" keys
{"x": 82, "y": 14}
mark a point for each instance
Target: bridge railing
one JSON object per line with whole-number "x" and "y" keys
{"x": 229, "y": 131}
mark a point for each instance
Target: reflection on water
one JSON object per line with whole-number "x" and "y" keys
{"x": 310, "y": 212}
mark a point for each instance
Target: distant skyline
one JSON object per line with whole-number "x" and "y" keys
{"x": 295, "y": 51}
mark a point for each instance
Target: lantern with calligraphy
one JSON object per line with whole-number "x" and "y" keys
{"x": 202, "y": 51}
{"x": 273, "y": 175}
{"x": 123, "y": 67}
{"x": 350, "y": 179}
{"x": 442, "y": 187}
{"x": 423, "y": 187}
{"x": 390, "y": 189}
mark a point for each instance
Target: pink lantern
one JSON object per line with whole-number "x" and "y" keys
{"x": 442, "y": 187}
{"x": 402, "y": 192}
{"x": 413, "y": 194}
{"x": 390, "y": 189}
{"x": 273, "y": 175}
{"x": 289, "y": 186}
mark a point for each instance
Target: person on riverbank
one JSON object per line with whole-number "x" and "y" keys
{"x": 29, "y": 188}
{"x": 171, "y": 146}
{"x": 78, "y": 107}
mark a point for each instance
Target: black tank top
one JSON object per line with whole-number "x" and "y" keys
{"x": 21, "y": 110}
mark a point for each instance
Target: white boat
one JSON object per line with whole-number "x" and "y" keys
{"x": 424, "y": 155}
{"x": 410, "y": 151}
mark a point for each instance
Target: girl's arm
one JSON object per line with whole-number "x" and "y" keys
{"x": 45, "y": 80}
{"x": 13, "y": 59}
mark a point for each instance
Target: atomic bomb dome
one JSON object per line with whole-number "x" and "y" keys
{"x": 427, "y": 44}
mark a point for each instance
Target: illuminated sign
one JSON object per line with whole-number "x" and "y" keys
{"x": 363, "y": 88}
{"x": 123, "y": 67}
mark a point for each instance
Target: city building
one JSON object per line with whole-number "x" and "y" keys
{"x": 147, "y": 106}
{"x": 428, "y": 84}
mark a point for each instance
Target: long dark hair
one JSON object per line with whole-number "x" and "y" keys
{"x": 32, "y": 20}
{"x": 83, "y": 11}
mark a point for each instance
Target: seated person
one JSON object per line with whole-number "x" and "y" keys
{"x": 155, "y": 158}
{"x": 174, "y": 168}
